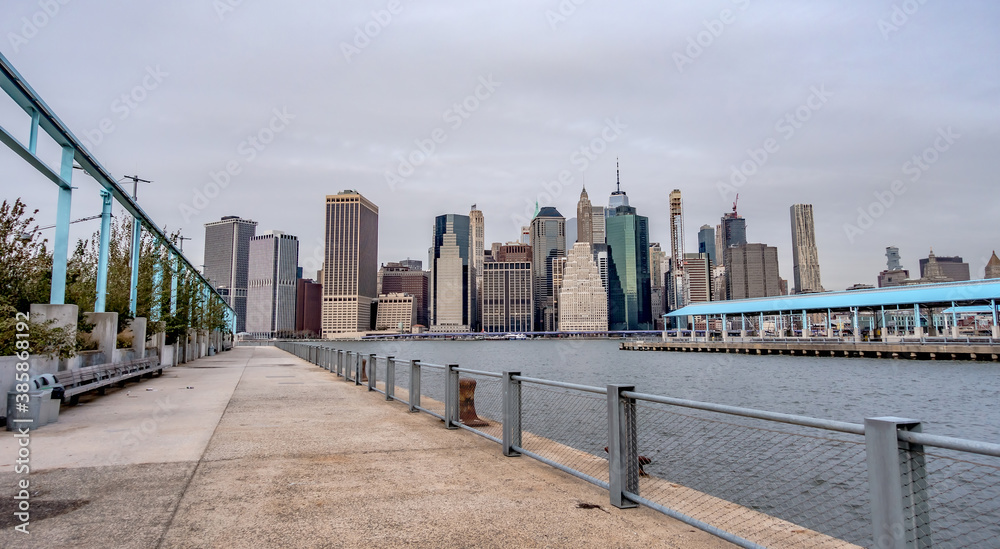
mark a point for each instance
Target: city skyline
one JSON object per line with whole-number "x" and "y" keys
{"x": 565, "y": 98}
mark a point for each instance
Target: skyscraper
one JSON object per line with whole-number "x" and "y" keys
{"x": 698, "y": 271}
{"x": 706, "y": 242}
{"x": 452, "y": 286}
{"x": 597, "y": 218}
{"x": 507, "y": 292}
{"x": 227, "y": 261}
{"x": 308, "y": 307}
{"x": 805, "y": 257}
{"x": 477, "y": 232}
{"x": 752, "y": 271}
{"x": 584, "y": 218}
{"x": 734, "y": 230}
{"x": 583, "y": 302}
{"x": 628, "y": 279}
{"x": 350, "y": 267}
{"x": 548, "y": 242}
{"x": 618, "y": 197}
{"x": 677, "y": 254}
{"x": 272, "y": 274}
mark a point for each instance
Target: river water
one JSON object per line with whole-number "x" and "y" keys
{"x": 952, "y": 398}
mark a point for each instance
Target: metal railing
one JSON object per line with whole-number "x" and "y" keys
{"x": 754, "y": 478}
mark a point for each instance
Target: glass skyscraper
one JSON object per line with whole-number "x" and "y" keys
{"x": 629, "y": 306}
{"x": 452, "y": 291}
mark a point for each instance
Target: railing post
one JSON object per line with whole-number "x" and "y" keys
{"x": 414, "y": 385}
{"x": 897, "y": 481}
{"x": 390, "y": 377}
{"x": 372, "y": 370}
{"x": 349, "y": 366}
{"x": 357, "y": 368}
{"x": 451, "y": 397}
{"x": 511, "y": 414}
{"x": 623, "y": 451}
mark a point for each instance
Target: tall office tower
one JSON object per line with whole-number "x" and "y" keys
{"x": 993, "y": 267}
{"x": 597, "y": 219}
{"x": 452, "y": 287}
{"x": 227, "y": 260}
{"x": 805, "y": 257}
{"x": 507, "y": 295}
{"x": 618, "y": 197}
{"x": 526, "y": 236}
{"x": 477, "y": 232}
{"x": 274, "y": 259}
{"x": 706, "y": 242}
{"x": 629, "y": 305}
{"x": 952, "y": 268}
{"x": 657, "y": 299}
{"x": 412, "y": 264}
{"x": 308, "y": 307}
{"x": 720, "y": 244}
{"x": 698, "y": 270}
{"x": 892, "y": 259}
{"x": 548, "y": 242}
{"x": 752, "y": 271}
{"x": 583, "y": 302}
{"x": 350, "y": 267}
{"x": 584, "y": 218}
{"x": 677, "y": 254}
{"x": 396, "y": 278}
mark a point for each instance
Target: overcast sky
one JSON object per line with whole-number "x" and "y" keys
{"x": 785, "y": 102}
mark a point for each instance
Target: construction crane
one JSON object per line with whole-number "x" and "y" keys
{"x": 734, "y": 203}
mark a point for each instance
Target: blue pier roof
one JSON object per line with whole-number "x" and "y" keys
{"x": 941, "y": 294}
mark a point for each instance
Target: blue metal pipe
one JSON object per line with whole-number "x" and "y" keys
{"x": 33, "y": 138}
{"x": 102, "y": 256}
{"x": 60, "y": 249}
{"x": 134, "y": 285}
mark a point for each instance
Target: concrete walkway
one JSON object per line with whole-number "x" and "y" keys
{"x": 257, "y": 448}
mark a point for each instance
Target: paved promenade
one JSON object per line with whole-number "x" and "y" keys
{"x": 257, "y": 448}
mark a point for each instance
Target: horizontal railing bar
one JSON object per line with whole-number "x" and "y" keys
{"x": 479, "y": 373}
{"x": 432, "y": 366}
{"x": 731, "y": 538}
{"x": 480, "y": 433}
{"x": 959, "y": 444}
{"x": 562, "y": 468}
{"x": 428, "y": 412}
{"x": 804, "y": 421}
{"x": 585, "y": 388}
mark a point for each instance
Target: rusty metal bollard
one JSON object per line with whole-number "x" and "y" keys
{"x": 364, "y": 370}
{"x": 467, "y": 403}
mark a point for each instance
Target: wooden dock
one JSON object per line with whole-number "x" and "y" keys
{"x": 914, "y": 350}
